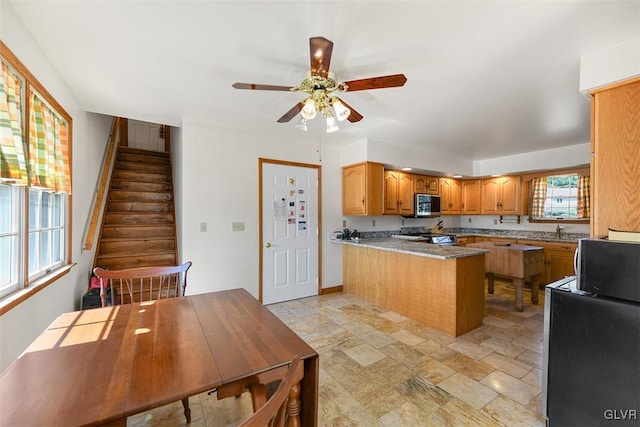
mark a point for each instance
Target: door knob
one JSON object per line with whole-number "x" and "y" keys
{"x": 268, "y": 245}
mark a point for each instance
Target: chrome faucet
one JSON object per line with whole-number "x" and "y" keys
{"x": 559, "y": 229}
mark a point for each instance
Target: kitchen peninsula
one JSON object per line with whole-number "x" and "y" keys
{"x": 440, "y": 286}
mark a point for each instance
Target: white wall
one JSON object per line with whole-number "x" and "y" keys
{"x": 23, "y": 323}
{"x": 614, "y": 64}
{"x": 219, "y": 185}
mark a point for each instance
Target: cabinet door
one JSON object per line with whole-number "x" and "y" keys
{"x": 509, "y": 195}
{"x": 405, "y": 194}
{"x": 471, "y": 197}
{"x": 559, "y": 262}
{"x": 353, "y": 190}
{"x": 614, "y": 169}
{"x": 420, "y": 184}
{"x": 451, "y": 196}
{"x": 391, "y": 194}
{"x": 490, "y": 196}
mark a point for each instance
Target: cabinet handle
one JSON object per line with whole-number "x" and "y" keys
{"x": 399, "y": 202}
{"x": 363, "y": 200}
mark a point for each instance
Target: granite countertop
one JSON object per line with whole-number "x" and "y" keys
{"x": 412, "y": 247}
{"x": 519, "y": 234}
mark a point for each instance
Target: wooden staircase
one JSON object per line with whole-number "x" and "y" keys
{"x": 138, "y": 225}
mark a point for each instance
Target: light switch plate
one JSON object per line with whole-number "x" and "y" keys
{"x": 237, "y": 226}
{"x": 203, "y": 227}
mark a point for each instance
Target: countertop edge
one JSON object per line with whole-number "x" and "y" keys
{"x": 429, "y": 251}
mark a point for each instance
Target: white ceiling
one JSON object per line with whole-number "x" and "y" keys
{"x": 485, "y": 79}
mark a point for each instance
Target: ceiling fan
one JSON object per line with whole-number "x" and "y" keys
{"x": 321, "y": 87}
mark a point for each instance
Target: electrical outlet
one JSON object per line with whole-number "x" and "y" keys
{"x": 373, "y": 222}
{"x": 237, "y": 226}
{"x": 344, "y": 223}
{"x": 469, "y": 220}
{"x": 495, "y": 222}
{"x": 203, "y": 227}
{"x": 402, "y": 222}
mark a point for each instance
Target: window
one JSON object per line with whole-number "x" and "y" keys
{"x": 35, "y": 179}
{"x": 560, "y": 197}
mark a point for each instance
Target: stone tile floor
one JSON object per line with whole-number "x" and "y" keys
{"x": 378, "y": 368}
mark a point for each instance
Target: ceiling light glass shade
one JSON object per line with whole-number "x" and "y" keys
{"x": 309, "y": 109}
{"x": 302, "y": 125}
{"x": 332, "y": 126}
{"x": 342, "y": 112}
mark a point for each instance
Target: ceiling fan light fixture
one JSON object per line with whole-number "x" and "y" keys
{"x": 332, "y": 126}
{"x": 309, "y": 109}
{"x": 302, "y": 125}
{"x": 342, "y": 112}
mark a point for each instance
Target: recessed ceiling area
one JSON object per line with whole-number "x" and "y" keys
{"x": 484, "y": 79}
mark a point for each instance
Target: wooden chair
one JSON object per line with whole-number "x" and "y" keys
{"x": 283, "y": 404}
{"x": 142, "y": 283}
{"x": 145, "y": 284}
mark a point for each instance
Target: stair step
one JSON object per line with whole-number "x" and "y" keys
{"x": 141, "y": 152}
{"x": 127, "y": 206}
{"x": 139, "y": 218}
{"x": 136, "y": 260}
{"x": 119, "y": 184}
{"x": 114, "y": 231}
{"x": 121, "y": 247}
{"x": 140, "y": 196}
{"x": 127, "y": 175}
{"x": 142, "y": 158}
{"x": 142, "y": 167}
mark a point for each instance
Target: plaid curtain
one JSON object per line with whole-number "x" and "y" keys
{"x": 48, "y": 148}
{"x": 12, "y": 160}
{"x": 584, "y": 197}
{"x": 539, "y": 189}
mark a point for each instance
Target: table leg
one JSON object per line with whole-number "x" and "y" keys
{"x": 535, "y": 286}
{"x": 517, "y": 282}
{"x": 490, "y": 279}
{"x": 187, "y": 410}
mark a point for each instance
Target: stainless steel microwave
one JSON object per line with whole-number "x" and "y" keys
{"x": 426, "y": 206}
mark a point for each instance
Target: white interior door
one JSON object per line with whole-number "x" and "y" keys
{"x": 289, "y": 232}
{"x": 145, "y": 135}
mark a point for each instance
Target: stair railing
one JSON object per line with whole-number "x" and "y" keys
{"x": 101, "y": 186}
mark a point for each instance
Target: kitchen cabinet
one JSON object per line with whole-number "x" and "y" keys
{"x": 450, "y": 196}
{"x": 501, "y": 196}
{"x": 471, "y": 190}
{"x": 464, "y": 241}
{"x": 615, "y": 175}
{"x": 362, "y": 187}
{"x": 558, "y": 258}
{"x": 398, "y": 193}
{"x": 424, "y": 184}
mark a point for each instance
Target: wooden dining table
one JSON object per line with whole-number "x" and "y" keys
{"x": 99, "y": 366}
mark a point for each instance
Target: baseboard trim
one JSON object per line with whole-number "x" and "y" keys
{"x": 331, "y": 290}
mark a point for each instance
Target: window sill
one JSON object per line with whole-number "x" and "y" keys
{"x": 561, "y": 221}
{"x": 14, "y": 299}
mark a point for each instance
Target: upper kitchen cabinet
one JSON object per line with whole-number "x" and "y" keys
{"x": 502, "y": 196}
{"x": 424, "y": 184}
{"x": 362, "y": 187}
{"x": 398, "y": 193}
{"x": 471, "y": 190}
{"x": 451, "y": 196}
{"x": 615, "y": 175}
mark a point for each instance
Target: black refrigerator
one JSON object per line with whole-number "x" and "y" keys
{"x": 591, "y": 364}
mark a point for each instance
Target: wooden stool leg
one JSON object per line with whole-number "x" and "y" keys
{"x": 490, "y": 279}
{"x": 535, "y": 286}
{"x": 293, "y": 406}
{"x": 187, "y": 410}
{"x": 517, "y": 282}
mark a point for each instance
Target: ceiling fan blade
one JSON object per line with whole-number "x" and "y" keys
{"x": 291, "y": 113}
{"x": 394, "y": 80}
{"x": 320, "y": 50}
{"x": 354, "y": 116}
{"x": 254, "y": 86}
